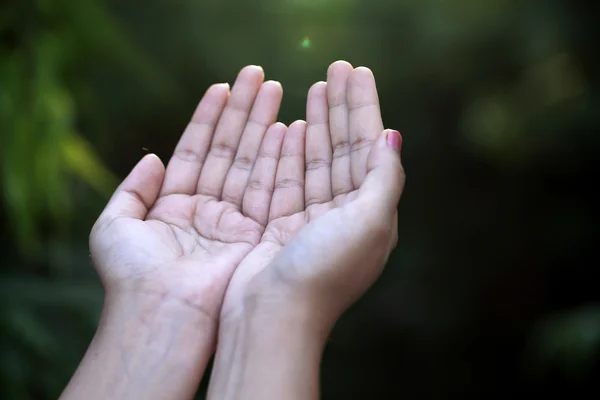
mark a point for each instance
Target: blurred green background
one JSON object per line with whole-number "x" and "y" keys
{"x": 490, "y": 292}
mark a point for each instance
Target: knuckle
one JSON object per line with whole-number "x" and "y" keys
{"x": 188, "y": 155}
{"x": 360, "y": 143}
{"x": 312, "y": 200}
{"x": 317, "y": 163}
{"x": 258, "y": 185}
{"x": 341, "y": 149}
{"x": 223, "y": 150}
{"x": 289, "y": 184}
{"x": 244, "y": 163}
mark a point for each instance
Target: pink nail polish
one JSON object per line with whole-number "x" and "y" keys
{"x": 394, "y": 140}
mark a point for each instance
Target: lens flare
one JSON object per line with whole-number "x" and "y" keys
{"x": 305, "y": 44}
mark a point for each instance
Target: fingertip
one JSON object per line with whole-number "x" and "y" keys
{"x": 388, "y": 144}
{"x": 317, "y": 108}
{"x": 153, "y": 158}
{"x": 339, "y": 66}
{"x": 362, "y": 74}
{"x": 252, "y": 70}
{"x": 393, "y": 140}
{"x": 337, "y": 84}
{"x": 151, "y": 167}
{"x": 211, "y": 104}
{"x": 274, "y": 84}
{"x": 363, "y": 70}
{"x": 385, "y": 178}
{"x": 317, "y": 88}
{"x": 272, "y": 89}
{"x": 299, "y": 124}
{"x": 273, "y": 140}
{"x": 139, "y": 190}
{"x": 278, "y": 128}
{"x": 218, "y": 88}
{"x": 362, "y": 91}
{"x": 296, "y": 132}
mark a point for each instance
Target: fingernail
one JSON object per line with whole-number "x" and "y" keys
{"x": 394, "y": 140}
{"x": 273, "y": 82}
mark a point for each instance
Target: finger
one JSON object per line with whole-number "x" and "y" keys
{"x": 229, "y": 130}
{"x": 138, "y": 192}
{"x": 288, "y": 197}
{"x": 337, "y": 80}
{"x": 364, "y": 120}
{"x": 384, "y": 182}
{"x": 184, "y": 167}
{"x": 259, "y": 191}
{"x": 318, "y": 147}
{"x": 264, "y": 114}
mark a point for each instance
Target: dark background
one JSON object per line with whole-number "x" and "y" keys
{"x": 491, "y": 291}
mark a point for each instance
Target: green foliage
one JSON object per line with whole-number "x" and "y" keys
{"x": 497, "y": 123}
{"x": 35, "y": 358}
{"x": 570, "y": 341}
{"x": 44, "y": 158}
{"x": 40, "y": 148}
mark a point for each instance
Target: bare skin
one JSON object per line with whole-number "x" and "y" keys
{"x": 168, "y": 243}
{"x": 258, "y": 230}
{"x": 330, "y": 230}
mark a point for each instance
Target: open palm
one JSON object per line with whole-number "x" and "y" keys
{"x": 182, "y": 232}
{"x": 325, "y": 209}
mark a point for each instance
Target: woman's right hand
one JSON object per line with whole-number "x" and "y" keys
{"x": 332, "y": 221}
{"x": 331, "y": 226}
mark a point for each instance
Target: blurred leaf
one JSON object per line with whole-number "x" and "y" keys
{"x": 42, "y": 149}
{"x": 22, "y": 323}
{"x": 492, "y": 124}
{"x": 556, "y": 79}
{"x": 89, "y": 27}
{"x": 570, "y": 340}
{"x": 36, "y": 291}
{"x": 13, "y": 372}
{"x": 499, "y": 125}
{"x": 83, "y": 161}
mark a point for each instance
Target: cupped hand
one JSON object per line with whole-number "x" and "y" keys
{"x": 332, "y": 220}
{"x": 181, "y": 233}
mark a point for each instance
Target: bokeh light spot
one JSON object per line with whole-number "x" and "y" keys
{"x": 305, "y": 44}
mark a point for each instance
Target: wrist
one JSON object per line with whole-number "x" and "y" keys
{"x": 288, "y": 312}
{"x": 146, "y": 346}
{"x": 272, "y": 349}
{"x": 269, "y": 300}
{"x": 132, "y": 315}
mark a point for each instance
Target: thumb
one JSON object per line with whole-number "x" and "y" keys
{"x": 385, "y": 178}
{"x": 138, "y": 192}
